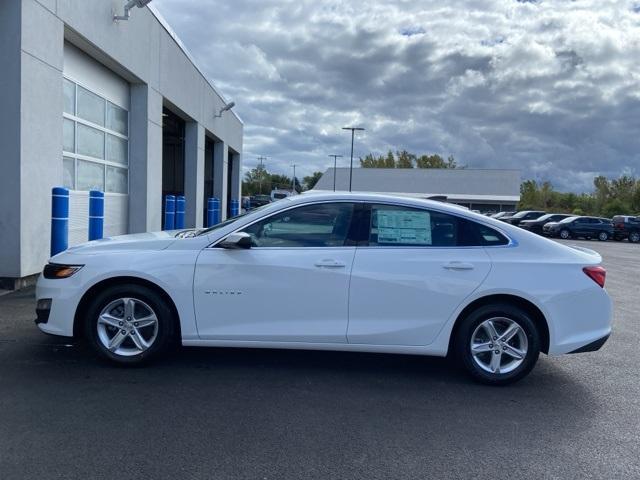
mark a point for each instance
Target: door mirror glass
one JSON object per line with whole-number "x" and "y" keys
{"x": 235, "y": 241}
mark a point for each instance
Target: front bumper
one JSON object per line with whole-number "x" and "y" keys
{"x": 57, "y": 317}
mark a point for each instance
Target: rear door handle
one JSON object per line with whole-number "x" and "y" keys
{"x": 458, "y": 266}
{"x": 330, "y": 264}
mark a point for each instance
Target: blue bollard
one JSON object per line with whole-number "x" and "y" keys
{"x": 96, "y": 215}
{"x": 214, "y": 218}
{"x": 235, "y": 207}
{"x": 210, "y": 207}
{"x": 180, "y": 204}
{"x": 59, "y": 220}
{"x": 169, "y": 212}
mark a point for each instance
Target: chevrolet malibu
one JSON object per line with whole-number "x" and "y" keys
{"x": 356, "y": 272}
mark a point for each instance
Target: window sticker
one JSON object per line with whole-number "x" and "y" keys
{"x": 404, "y": 227}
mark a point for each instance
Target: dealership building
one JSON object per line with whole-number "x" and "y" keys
{"x": 487, "y": 190}
{"x": 93, "y": 103}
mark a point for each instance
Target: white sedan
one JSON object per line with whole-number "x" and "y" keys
{"x": 355, "y": 272}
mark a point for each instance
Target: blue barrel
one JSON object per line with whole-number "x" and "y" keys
{"x": 180, "y": 204}
{"x": 235, "y": 208}
{"x": 213, "y": 212}
{"x": 169, "y": 212}
{"x": 96, "y": 215}
{"x": 59, "y": 220}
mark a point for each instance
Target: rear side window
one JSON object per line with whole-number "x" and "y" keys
{"x": 399, "y": 226}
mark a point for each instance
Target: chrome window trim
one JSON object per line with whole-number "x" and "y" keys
{"x": 511, "y": 241}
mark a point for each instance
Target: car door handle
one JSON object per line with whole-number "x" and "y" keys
{"x": 330, "y": 264}
{"x": 458, "y": 266}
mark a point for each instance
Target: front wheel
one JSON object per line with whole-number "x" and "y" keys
{"x": 603, "y": 236}
{"x": 634, "y": 237}
{"x": 497, "y": 344}
{"x": 565, "y": 234}
{"x": 129, "y": 324}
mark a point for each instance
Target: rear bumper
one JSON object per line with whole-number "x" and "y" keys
{"x": 593, "y": 346}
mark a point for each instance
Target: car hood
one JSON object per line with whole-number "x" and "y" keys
{"x": 136, "y": 241}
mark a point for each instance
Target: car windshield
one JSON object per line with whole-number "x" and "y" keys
{"x": 546, "y": 217}
{"x": 568, "y": 220}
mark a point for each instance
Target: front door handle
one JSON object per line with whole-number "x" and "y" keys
{"x": 329, "y": 263}
{"x": 458, "y": 266}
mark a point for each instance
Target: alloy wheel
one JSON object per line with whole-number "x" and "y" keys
{"x": 564, "y": 234}
{"x": 499, "y": 345}
{"x": 127, "y": 327}
{"x": 602, "y": 236}
{"x": 634, "y": 237}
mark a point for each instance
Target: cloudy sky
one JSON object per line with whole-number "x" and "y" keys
{"x": 550, "y": 87}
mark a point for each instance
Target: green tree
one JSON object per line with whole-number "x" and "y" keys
{"x": 311, "y": 180}
{"x": 404, "y": 159}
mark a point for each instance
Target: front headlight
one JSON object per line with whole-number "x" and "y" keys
{"x": 54, "y": 270}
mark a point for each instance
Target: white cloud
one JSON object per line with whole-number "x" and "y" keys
{"x": 552, "y": 87}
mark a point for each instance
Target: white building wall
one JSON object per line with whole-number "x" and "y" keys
{"x": 143, "y": 54}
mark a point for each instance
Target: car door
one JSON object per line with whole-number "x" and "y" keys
{"x": 415, "y": 268}
{"x": 292, "y": 284}
{"x": 580, "y": 227}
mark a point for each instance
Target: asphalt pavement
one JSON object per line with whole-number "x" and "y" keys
{"x": 267, "y": 414}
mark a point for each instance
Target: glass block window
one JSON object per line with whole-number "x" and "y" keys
{"x": 95, "y": 141}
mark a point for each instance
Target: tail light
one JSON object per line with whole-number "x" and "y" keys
{"x": 596, "y": 273}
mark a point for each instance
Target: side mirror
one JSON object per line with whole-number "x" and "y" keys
{"x": 236, "y": 241}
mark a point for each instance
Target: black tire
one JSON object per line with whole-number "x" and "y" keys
{"x": 468, "y": 325}
{"x": 634, "y": 237}
{"x": 565, "y": 234}
{"x": 165, "y": 322}
{"x": 603, "y": 236}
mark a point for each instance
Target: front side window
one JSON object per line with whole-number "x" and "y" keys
{"x": 320, "y": 225}
{"x": 399, "y": 226}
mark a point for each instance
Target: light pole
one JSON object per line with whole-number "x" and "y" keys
{"x": 261, "y": 158}
{"x": 335, "y": 163}
{"x": 293, "y": 182}
{"x": 353, "y": 132}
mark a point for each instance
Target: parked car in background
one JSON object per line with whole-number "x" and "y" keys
{"x": 580, "y": 227}
{"x": 523, "y": 215}
{"x": 536, "y": 225}
{"x": 259, "y": 200}
{"x": 502, "y": 214}
{"x": 626, "y": 226}
{"x": 278, "y": 194}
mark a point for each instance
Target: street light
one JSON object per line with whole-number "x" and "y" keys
{"x": 293, "y": 182}
{"x": 335, "y": 163}
{"x": 353, "y": 132}
{"x": 225, "y": 108}
{"x": 261, "y": 158}
{"x": 129, "y": 5}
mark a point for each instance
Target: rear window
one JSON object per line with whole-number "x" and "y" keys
{"x": 393, "y": 225}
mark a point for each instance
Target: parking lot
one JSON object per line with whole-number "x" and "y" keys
{"x": 265, "y": 414}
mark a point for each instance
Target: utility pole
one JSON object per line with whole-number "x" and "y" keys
{"x": 261, "y": 158}
{"x": 293, "y": 182}
{"x": 335, "y": 164}
{"x": 353, "y": 132}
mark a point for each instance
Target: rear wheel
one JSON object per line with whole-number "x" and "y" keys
{"x": 564, "y": 233}
{"x": 129, "y": 324}
{"x": 497, "y": 344}
{"x": 603, "y": 236}
{"x": 634, "y": 237}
